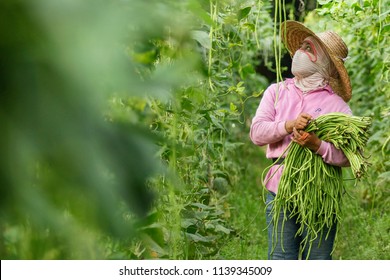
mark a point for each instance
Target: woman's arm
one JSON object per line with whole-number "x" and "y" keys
{"x": 329, "y": 153}
{"x": 264, "y": 129}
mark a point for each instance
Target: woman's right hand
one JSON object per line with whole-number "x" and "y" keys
{"x": 299, "y": 123}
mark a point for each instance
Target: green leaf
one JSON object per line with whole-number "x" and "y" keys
{"x": 197, "y": 9}
{"x": 257, "y": 94}
{"x": 233, "y": 107}
{"x": 201, "y": 215}
{"x": 222, "y": 229}
{"x": 249, "y": 26}
{"x": 185, "y": 223}
{"x": 201, "y": 206}
{"x": 155, "y": 246}
{"x": 247, "y": 70}
{"x": 385, "y": 177}
{"x": 323, "y": 2}
{"x": 202, "y": 37}
{"x": 357, "y": 7}
{"x": 199, "y": 238}
{"x": 147, "y": 57}
{"x": 243, "y": 13}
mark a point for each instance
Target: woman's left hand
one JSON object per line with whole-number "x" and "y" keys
{"x": 306, "y": 139}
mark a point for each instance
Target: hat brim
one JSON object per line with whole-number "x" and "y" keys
{"x": 293, "y": 34}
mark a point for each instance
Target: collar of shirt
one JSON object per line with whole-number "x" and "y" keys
{"x": 290, "y": 81}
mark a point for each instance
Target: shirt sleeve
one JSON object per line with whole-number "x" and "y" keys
{"x": 329, "y": 153}
{"x": 264, "y": 129}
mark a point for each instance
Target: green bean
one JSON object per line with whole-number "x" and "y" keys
{"x": 310, "y": 189}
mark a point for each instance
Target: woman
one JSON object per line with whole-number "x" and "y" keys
{"x": 320, "y": 85}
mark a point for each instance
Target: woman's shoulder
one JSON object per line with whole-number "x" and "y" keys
{"x": 282, "y": 85}
{"x": 334, "y": 102}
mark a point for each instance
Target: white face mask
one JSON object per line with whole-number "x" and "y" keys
{"x": 302, "y": 66}
{"x": 311, "y": 66}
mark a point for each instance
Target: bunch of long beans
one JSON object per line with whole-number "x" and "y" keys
{"x": 311, "y": 190}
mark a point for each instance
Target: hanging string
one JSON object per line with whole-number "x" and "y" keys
{"x": 280, "y": 10}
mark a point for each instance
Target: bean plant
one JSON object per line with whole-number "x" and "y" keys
{"x": 125, "y": 126}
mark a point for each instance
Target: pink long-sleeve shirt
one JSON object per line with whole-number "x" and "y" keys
{"x": 268, "y": 125}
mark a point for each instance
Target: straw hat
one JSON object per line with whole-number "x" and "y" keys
{"x": 293, "y": 33}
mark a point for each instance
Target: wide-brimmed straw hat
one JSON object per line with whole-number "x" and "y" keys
{"x": 293, "y": 33}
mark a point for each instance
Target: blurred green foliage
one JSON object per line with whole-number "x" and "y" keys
{"x": 67, "y": 172}
{"x": 125, "y": 126}
{"x": 204, "y": 127}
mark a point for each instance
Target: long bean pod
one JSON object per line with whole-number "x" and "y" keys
{"x": 310, "y": 189}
